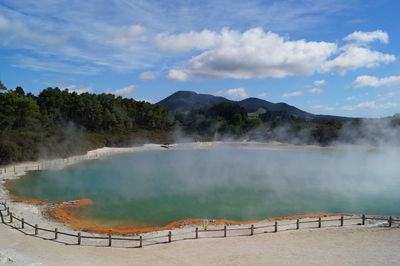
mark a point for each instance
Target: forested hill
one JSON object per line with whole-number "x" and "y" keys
{"x": 58, "y": 123}
{"x": 189, "y": 100}
{"x": 253, "y": 104}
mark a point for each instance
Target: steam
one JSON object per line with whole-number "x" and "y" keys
{"x": 379, "y": 133}
{"x": 238, "y": 181}
{"x": 67, "y": 141}
{"x": 358, "y": 173}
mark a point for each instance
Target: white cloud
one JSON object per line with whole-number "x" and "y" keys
{"x": 49, "y": 65}
{"x": 375, "y": 82}
{"x": 177, "y": 75}
{"x": 264, "y": 94}
{"x": 258, "y": 54}
{"x": 367, "y": 37}
{"x": 389, "y": 105}
{"x": 127, "y": 36}
{"x": 322, "y": 108}
{"x": 348, "y": 108}
{"x": 292, "y": 94}
{"x": 390, "y": 96}
{"x": 364, "y": 105}
{"x": 103, "y": 38}
{"x": 319, "y": 82}
{"x": 371, "y": 105}
{"x": 17, "y": 34}
{"x": 237, "y": 93}
{"x": 125, "y": 91}
{"x": 148, "y": 75}
{"x": 78, "y": 44}
{"x": 78, "y": 88}
{"x": 354, "y": 57}
{"x": 253, "y": 54}
{"x": 316, "y": 91}
{"x": 187, "y": 41}
{"x": 351, "y": 98}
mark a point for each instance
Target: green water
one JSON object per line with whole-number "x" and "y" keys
{"x": 159, "y": 187}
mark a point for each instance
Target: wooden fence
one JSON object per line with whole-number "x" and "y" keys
{"x": 8, "y": 218}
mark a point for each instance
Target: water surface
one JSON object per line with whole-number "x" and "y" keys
{"x": 158, "y": 187}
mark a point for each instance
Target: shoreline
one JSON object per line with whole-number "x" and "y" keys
{"x": 64, "y": 214}
{"x": 67, "y": 213}
{"x": 35, "y": 211}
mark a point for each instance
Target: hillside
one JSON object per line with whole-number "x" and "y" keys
{"x": 58, "y": 123}
{"x": 189, "y": 100}
{"x": 253, "y": 104}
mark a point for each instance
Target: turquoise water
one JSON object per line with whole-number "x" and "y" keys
{"x": 159, "y": 187}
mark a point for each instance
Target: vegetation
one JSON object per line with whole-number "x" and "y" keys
{"x": 224, "y": 119}
{"x": 59, "y": 123}
{"x": 2, "y": 87}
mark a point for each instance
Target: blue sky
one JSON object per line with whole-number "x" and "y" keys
{"x": 327, "y": 57}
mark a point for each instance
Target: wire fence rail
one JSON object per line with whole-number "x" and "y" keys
{"x": 138, "y": 241}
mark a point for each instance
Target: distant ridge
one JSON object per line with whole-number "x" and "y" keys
{"x": 189, "y": 100}
{"x": 253, "y": 104}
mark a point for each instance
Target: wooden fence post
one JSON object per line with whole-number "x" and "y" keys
{"x": 55, "y": 233}
{"x": 341, "y": 220}
{"x": 109, "y": 240}
{"x": 140, "y": 241}
{"x": 36, "y": 229}
{"x": 22, "y": 223}
{"x": 169, "y": 237}
{"x": 8, "y": 211}
{"x": 363, "y": 219}
{"x": 224, "y": 230}
{"x": 11, "y": 217}
{"x": 319, "y": 222}
{"x": 252, "y": 230}
{"x": 390, "y": 221}
{"x": 79, "y": 238}
{"x": 297, "y": 224}
{"x": 276, "y": 226}
{"x": 197, "y": 233}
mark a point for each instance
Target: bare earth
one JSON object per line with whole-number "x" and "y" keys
{"x": 353, "y": 245}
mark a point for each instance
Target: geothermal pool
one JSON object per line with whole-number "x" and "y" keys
{"x": 158, "y": 187}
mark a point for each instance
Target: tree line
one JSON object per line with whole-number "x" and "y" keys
{"x": 59, "y": 123}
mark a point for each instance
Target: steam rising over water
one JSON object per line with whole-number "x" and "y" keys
{"x": 155, "y": 188}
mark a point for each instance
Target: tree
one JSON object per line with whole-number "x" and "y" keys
{"x": 2, "y": 86}
{"x": 20, "y": 91}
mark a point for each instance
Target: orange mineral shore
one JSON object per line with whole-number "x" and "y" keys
{"x": 68, "y": 213}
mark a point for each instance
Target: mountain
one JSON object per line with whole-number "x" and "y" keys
{"x": 253, "y": 104}
{"x": 188, "y": 100}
